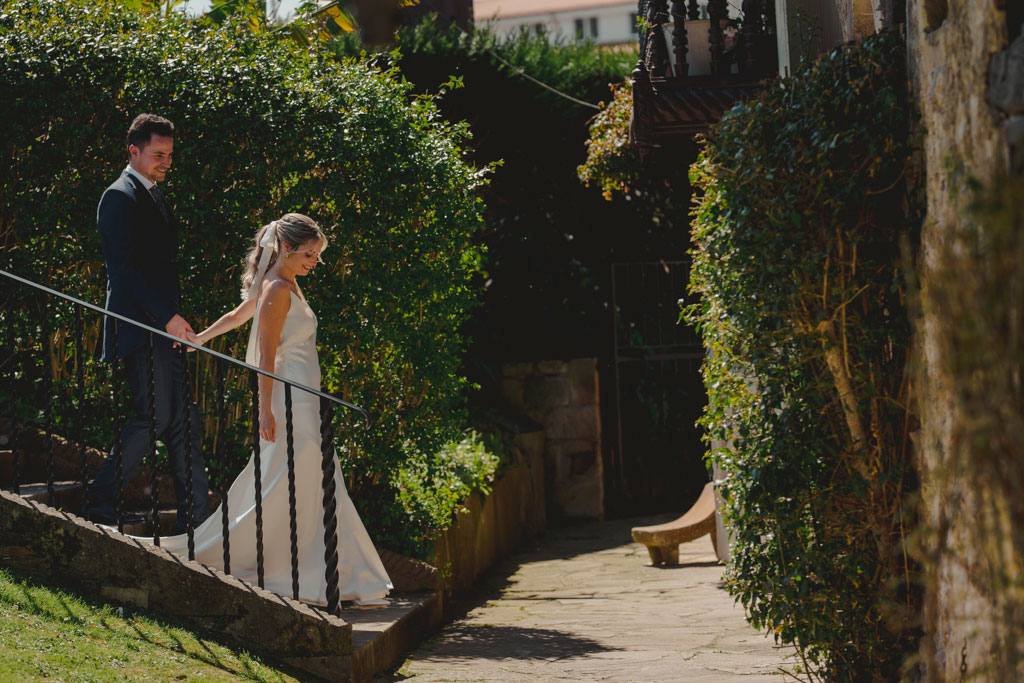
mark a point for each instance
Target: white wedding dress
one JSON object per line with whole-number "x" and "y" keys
{"x": 361, "y": 574}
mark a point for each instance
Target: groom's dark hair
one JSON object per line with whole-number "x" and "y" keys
{"x": 145, "y": 126}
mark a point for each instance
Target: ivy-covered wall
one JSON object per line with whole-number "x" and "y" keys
{"x": 805, "y": 214}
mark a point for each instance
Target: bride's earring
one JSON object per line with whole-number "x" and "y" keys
{"x": 287, "y": 254}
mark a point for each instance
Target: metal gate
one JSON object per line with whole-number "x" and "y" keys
{"x": 657, "y": 454}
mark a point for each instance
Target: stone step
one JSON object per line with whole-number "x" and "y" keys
{"x": 67, "y": 494}
{"x": 380, "y": 636}
{"x": 31, "y": 447}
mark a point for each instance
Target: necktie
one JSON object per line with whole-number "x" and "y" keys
{"x": 161, "y": 203}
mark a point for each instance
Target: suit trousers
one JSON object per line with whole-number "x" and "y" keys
{"x": 171, "y": 402}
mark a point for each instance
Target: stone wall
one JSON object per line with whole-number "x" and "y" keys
{"x": 494, "y": 525}
{"x": 951, "y": 46}
{"x": 563, "y": 397}
{"x": 104, "y": 564}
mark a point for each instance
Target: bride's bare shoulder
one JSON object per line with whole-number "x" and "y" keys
{"x": 276, "y": 293}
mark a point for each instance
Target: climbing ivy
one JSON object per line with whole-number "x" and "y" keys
{"x": 807, "y": 198}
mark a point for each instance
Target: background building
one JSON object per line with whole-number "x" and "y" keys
{"x": 601, "y": 21}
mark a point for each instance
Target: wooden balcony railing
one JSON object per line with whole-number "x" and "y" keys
{"x": 712, "y": 63}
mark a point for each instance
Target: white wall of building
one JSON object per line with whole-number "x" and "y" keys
{"x": 606, "y": 25}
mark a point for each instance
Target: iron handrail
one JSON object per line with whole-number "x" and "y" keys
{"x": 197, "y": 347}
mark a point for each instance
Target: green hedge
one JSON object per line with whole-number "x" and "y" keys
{"x": 264, "y": 127}
{"x": 808, "y": 195}
{"x": 549, "y": 240}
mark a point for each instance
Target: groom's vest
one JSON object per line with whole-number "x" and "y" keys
{"x": 140, "y": 249}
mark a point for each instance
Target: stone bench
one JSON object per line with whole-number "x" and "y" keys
{"x": 662, "y": 540}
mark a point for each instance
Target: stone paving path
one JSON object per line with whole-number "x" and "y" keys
{"x": 585, "y": 606}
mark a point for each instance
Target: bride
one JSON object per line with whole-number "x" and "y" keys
{"x": 283, "y": 341}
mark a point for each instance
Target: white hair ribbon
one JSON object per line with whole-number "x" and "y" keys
{"x": 269, "y": 245}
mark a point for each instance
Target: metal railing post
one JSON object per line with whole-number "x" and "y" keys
{"x": 115, "y": 391}
{"x": 221, "y": 419}
{"x": 15, "y": 456}
{"x": 330, "y": 462}
{"x": 292, "y": 522}
{"x": 83, "y": 473}
{"x": 190, "y": 518}
{"x": 48, "y": 397}
{"x": 257, "y": 473}
{"x": 154, "y": 474}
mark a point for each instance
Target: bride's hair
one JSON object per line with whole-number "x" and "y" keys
{"x": 293, "y": 229}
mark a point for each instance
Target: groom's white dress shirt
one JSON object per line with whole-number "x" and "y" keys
{"x": 146, "y": 182}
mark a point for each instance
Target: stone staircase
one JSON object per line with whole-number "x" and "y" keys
{"x": 56, "y": 542}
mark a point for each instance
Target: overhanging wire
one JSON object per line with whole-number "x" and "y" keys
{"x": 509, "y": 65}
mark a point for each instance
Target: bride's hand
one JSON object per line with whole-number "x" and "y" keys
{"x": 195, "y": 339}
{"x": 268, "y": 426}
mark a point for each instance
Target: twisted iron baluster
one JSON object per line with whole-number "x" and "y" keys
{"x": 221, "y": 419}
{"x": 254, "y": 383}
{"x": 331, "y": 558}
{"x": 48, "y": 410}
{"x": 154, "y": 475}
{"x": 190, "y": 519}
{"x": 15, "y": 457}
{"x": 115, "y": 390}
{"x": 80, "y": 382}
{"x": 289, "y": 438}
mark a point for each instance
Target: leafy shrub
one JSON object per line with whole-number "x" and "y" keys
{"x": 265, "y": 127}
{"x": 433, "y": 486}
{"x": 808, "y": 192}
{"x": 612, "y": 162}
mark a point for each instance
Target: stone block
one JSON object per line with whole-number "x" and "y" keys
{"x": 573, "y": 422}
{"x": 546, "y": 391}
{"x": 516, "y": 370}
{"x": 581, "y": 461}
{"x": 512, "y": 392}
{"x": 583, "y": 381}
{"x": 538, "y": 415}
{"x": 552, "y": 367}
{"x": 532, "y": 444}
{"x": 126, "y": 595}
{"x": 560, "y": 453}
{"x": 582, "y": 496}
{"x": 1006, "y": 78}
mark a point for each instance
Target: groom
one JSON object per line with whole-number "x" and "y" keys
{"x": 140, "y": 245}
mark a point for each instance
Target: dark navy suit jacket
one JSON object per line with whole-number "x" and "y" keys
{"x": 141, "y": 252}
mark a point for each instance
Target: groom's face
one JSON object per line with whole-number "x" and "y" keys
{"x": 153, "y": 159}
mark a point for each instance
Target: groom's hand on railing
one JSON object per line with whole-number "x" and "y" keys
{"x": 179, "y": 328}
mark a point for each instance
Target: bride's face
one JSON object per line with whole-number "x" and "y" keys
{"x": 305, "y": 257}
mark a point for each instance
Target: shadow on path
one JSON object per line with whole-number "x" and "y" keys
{"x": 463, "y": 642}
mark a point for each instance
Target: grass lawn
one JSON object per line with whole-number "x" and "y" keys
{"x": 50, "y": 634}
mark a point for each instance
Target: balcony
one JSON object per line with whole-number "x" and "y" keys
{"x": 696, "y": 61}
